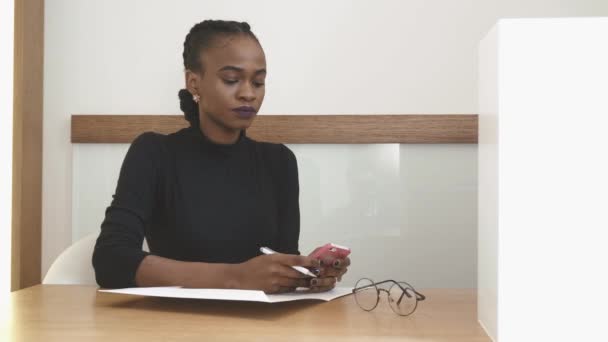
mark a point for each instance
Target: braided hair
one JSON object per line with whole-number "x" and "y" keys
{"x": 197, "y": 40}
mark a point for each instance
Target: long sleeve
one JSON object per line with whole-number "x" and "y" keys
{"x": 118, "y": 251}
{"x": 289, "y": 208}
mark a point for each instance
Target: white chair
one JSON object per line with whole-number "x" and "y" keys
{"x": 73, "y": 266}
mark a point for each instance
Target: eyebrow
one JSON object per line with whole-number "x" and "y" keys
{"x": 237, "y": 69}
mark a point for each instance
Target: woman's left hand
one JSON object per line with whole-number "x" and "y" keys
{"x": 330, "y": 273}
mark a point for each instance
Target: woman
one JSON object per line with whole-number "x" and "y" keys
{"x": 207, "y": 197}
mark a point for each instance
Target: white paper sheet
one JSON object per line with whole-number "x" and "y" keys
{"x": 242, "y": 295}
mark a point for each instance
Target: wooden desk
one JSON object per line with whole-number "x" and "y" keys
{"x": 80, "y": 313}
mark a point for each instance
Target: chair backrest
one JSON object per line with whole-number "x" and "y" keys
{"x": 73, "y": 266}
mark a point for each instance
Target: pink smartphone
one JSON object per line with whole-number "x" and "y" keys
{"x": 330, "y": 251}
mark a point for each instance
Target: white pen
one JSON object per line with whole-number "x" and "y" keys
{"x": 300, "y": 269}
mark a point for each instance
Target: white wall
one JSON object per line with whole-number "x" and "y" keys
{"x": 543, "y": 173}
{"x": 324, "y": 57}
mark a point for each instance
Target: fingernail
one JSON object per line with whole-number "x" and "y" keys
{"x": 314, "y": 282}
{"x": 337, "y": 263}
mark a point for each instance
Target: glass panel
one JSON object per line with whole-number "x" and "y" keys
{"x": 409, "y": 212}
{"x": 95, "y": 173}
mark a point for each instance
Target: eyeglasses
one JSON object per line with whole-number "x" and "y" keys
{"x": 402, "y": 297}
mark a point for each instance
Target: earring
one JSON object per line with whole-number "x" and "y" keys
{"x": 196, "y": 98}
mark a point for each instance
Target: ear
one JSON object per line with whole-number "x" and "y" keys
{"x": 193, "y": 81}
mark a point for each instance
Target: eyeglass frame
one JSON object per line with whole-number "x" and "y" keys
{"x": 419, "y": 296}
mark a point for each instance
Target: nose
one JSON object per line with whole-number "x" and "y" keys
{"x": 246, "y": 92}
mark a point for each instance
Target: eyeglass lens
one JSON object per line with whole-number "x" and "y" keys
{"x": 402, "y": 302}
{"x": 366, "y": 294}
{"x": 401, "y": 296}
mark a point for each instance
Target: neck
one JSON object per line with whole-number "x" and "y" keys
{"x": 218, "y": 134}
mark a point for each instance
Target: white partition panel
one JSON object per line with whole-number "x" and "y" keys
{"x": 408, "y": 212}
{"x": 487, "y": 234}
{"x": 544, "y": 178}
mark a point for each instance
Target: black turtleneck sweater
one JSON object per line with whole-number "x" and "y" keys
{"x": 194, "y": 200}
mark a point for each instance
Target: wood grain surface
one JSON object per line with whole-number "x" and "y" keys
{"x": 80, "y": 313}
{"x": 295, "y": 129}
{"x": 26, "y": 246}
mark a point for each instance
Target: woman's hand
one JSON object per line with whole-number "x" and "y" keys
{"x": 273, "y": 273}
{"x": 330, "y": 272}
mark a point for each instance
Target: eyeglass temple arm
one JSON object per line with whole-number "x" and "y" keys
{"x": 419, "y": 296}
{"x": 375, "y": 284}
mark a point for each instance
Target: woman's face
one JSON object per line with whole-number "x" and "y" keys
{"x": 231, "y": 84}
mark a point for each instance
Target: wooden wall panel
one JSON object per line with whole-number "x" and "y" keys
{"x": 294, "y": 129}
{"x": 27, "y": 144}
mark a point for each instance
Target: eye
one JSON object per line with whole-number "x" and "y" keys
{"x": 230, "y": 81}
{"x": 258, "y": 84}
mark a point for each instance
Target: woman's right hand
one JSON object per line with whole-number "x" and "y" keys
{"x": 273, "y": 273}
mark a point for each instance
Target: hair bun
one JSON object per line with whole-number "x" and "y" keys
{"x": 188, "y": 106}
